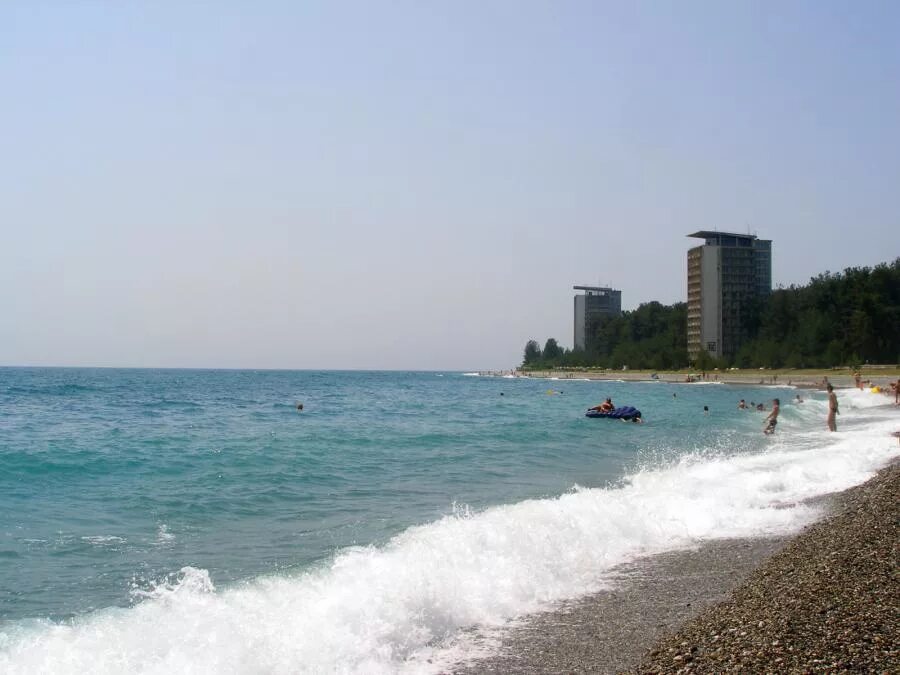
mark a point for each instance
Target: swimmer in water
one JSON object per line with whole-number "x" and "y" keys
{"x": 772, "y": 419}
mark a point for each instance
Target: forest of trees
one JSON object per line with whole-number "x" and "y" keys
{"x": 843, "y": 319}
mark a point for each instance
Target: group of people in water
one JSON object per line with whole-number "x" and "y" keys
{"x": 772, "y": 417}
{"x": 742, "y": 405}
{"x": 771, "y": 420}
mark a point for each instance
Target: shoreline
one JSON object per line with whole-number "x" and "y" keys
{"x": 828, "y": 601}
{"x": 611, "y": 630}
{"x": 824, "y": 599}
{"x": 785, "y": 379}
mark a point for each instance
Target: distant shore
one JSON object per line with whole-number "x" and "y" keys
{"x": 881, "y": 377}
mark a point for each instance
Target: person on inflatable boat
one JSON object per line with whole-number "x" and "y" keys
{"x": 606, "y": 406}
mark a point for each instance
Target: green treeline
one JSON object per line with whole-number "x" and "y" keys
{"x": 652, "y": 336}
{"x": 836, "y": 320}
{"x": 842, "y": 319}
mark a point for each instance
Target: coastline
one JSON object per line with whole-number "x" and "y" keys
{"x": 826, "y": 599}
{"x": 748, "y": 378}
{"x": 610, "y": 631}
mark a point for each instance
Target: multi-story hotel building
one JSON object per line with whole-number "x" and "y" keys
{"x": 591, "y": 308}
{"x": 725, "y": 275}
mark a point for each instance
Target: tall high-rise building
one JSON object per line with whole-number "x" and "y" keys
{"x": 592, "y": 307}
{"x": 725, "y": 275}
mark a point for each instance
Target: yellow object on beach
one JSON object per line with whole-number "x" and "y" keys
{"x": 876, "y": 390}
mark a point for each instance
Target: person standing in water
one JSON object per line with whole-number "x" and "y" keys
{"x": 832, "y": 408}
{"x": 772, "y": 419}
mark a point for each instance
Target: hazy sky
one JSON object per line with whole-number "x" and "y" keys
{"x": 417, "y": 184}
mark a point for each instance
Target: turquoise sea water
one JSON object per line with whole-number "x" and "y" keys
{"x": 126, "y": 492}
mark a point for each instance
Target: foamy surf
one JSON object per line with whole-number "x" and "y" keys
{"x": 400, "y": 607}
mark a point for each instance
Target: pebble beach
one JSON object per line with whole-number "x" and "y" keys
{"x": 829, "y": 601}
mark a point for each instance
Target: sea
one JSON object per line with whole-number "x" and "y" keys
{"x": 172, "y": 521}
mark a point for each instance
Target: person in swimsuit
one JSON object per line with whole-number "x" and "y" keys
{"x": 606, "y": 406}
{"x": 772, "y": 419}
{"x": 832, "y": 408}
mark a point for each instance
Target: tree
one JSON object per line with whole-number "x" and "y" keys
{"x": 552, "y": 351}
{"x": 532, "y": 353}
{"x": 836, "y": 318}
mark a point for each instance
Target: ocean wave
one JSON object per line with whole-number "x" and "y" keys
{"x": 103, "y": 540}
{"x": 70, "y": 389}
{"x": 399, "y": 607}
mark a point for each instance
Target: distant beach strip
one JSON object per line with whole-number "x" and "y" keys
{"x": 882, "y": 378}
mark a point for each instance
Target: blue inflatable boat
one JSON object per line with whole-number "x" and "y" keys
{"x": 624, "y": 413}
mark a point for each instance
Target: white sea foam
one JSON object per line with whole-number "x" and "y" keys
{"x": 399, "y": 608}
{"x": 471, "y": 374}
{"x": 103, "y": 540}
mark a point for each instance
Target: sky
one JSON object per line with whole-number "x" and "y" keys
{"x": 417, "y": 185}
